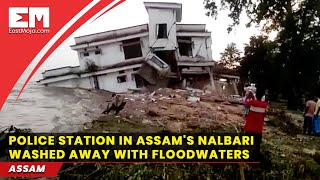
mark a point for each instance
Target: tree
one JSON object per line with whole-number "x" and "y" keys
{"x": 230, "y": 57}
{"x": 258, "y": 64}
{"x": 297, "y": 22}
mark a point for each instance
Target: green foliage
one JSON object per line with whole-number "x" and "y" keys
{"x": 259, "y": 64}
{"x": 288, "y": 66}
{"x": 269, "y": 168}
{"x": 230, "y": 57}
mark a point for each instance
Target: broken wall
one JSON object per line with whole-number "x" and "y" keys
{"x": 110, "y": 54}
{"x": 162, "y": 16}
{"x": 198, "y": 81}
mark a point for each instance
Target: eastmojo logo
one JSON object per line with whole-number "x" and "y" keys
{"x": 34, "y": 14}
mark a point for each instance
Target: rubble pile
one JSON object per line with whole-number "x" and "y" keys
{"x": 182, "y": 110}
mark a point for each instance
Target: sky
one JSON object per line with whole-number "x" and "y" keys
{"x": 133, "y": 12}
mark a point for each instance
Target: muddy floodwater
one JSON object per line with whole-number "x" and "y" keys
{"x": 48, "y": 109}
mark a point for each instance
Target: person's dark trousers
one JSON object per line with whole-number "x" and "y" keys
{"x": 111, "y": 107}
{"x": 255, "y": 151}
{"x": 118, "y": 109}
{"x": 114, "y": 108}
{"x": 307, "y": 125}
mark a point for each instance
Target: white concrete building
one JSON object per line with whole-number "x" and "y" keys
{"x": 138, "y": 56}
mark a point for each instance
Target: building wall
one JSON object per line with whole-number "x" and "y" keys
{"x": 209, "y": 50}
{"x": 145, "y": 46}
{"x": 202, "y": 47}
{"x": 110, "y": 82}
{"x": 60, "y": 71}
{"x": 73, "y": 83}
{"x": 70, "y": 83}
{"x": 162, "y": 16}
{"x": 112, "y": 53}
{"x": 86, "y": 83}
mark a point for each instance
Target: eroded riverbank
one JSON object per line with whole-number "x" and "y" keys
{"x": 286, "y": 153}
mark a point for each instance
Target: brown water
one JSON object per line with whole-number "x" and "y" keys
{"x": 48, "y": 109}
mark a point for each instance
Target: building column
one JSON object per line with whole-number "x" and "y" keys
{"x": 212, "y": 80}
{"x": 234, "y": 84}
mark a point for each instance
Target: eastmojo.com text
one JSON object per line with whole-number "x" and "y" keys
{"x": 28, "y": 31}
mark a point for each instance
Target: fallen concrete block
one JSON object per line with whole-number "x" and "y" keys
{"x": 193, "y": 99}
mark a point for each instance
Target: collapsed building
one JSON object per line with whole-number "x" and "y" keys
{"x": 161, "y": 53}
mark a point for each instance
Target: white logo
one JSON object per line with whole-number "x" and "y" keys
{"x": 35, "y": 14}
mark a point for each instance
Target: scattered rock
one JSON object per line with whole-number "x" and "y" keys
{"x": 226, "y": 103}
{"x": 173, "y": 117}
{"x": 176, "y": 127}
{"x": 163, "y": 107}
{"x": 172, "y": 96}
{"x": 153, "y": 113}
{"x": 193, "y": 99}
{"x": 219, "y": 100}
{"x": 152, "y": 94}
{"x": 177, "y": 96}
{"x": 146, "y": 121}
{"x": 193, "y": 124}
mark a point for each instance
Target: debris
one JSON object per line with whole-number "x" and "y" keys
{"x": 172, "y": 95}
{"x": 177, "y": 96}
{"x": 163, "y": 107}
{"x": 195, "y": 90}
{"x": 153, "y": 113}
{"x": 188, "y": 109}
{"x": 193, "y": 124}
{"x": 176, "y": 127}
{"x": 87, "y": 125}
{"x": 226, "y": 103}
{"x": 146, "y": 121}
{"x": 152, "y": 94}
{"x": 160, "y": 123}
{"x": 193, "y": 99}
{"x": 219, "y": 100}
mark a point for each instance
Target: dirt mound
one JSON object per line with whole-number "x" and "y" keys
{"x": 183, "y": 110}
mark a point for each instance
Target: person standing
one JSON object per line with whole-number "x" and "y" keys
{"x": 117, "y": 104}
{"x": 316, "y": 118}
{"x": 254, "y": 121}
{"x": 309, "y": 113}
{"x": 248, "y": 97}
